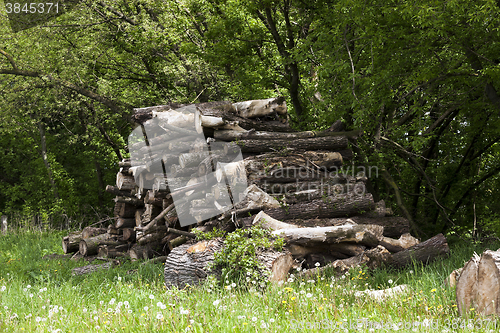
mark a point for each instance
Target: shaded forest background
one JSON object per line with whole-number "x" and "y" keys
{"x": 421, "y": 79}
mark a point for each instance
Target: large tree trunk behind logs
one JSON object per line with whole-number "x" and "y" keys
{"x": 326, "y": 143}
{"x": 425, "y": 252}
{"x": 478, "y": 286}
{"x": 187, "y": 264}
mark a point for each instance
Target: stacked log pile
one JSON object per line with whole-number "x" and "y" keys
{"x": 231, "y": 165}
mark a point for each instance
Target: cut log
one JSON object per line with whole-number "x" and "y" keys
{"x": 325, "y": 143}
{"x": 265, "y": 164}
{"x": 90, "y": 269}
{"x": 178, "y": 241}
{"x": 192, "y": 159}
{"x": 451, "y": 280}
{"x": 88, "y": 232}
{"x": 125, "y": 182}
{"x": 129, "y": 201}
{"x": 397, "y": 245}
{"x": 129, "y": 235}
{"x": 394, "y": 226}
{"x": 187, "y": 264}
{"x": 341, "y": 205}
{"x": 425, "y": 252}
{"x": 138, "y": 252}
{"x": 227, "y": 135}
{"x": 71, "y": 243}
{"x": 369, "y": 235}
{"x": 106, "y": 251}
{"x": 127, "y": 211}
{"x": 89, "y": 246}
{"x": 125, "y": 223}
{"x": 114, "y": 190}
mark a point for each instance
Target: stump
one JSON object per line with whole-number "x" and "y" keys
{"x": 478, "y": 286}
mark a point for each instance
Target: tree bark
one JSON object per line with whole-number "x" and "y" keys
{"x": 125, "y": 182}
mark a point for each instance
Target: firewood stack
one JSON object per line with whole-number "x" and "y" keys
{"x": 230, "y": 165}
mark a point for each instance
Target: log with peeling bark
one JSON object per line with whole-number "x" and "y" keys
{"x": 478, "y": 286}
{"x": 228, "y": 135}
{"x": 370, "y": 235}
{"x": 187, "y": 264}
{"x": 323, "y": 143}
{"x": 120, "y": 251}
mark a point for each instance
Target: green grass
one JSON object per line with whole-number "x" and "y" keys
{"x": 38, "y": 295}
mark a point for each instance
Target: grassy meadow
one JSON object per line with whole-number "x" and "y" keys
{"x": 40, "y": 295}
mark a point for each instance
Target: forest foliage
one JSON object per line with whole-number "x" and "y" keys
{"x": 421, "y": 79}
